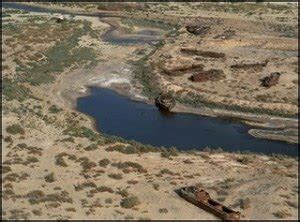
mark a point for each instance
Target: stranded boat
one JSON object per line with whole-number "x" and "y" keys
{"x": 201, "y": 198}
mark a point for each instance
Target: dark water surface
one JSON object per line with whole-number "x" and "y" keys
{"x": 119, "y": 116}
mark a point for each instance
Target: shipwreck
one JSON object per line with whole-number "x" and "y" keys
{"x": 202, "y": 199}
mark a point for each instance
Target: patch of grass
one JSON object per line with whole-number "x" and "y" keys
{"x": 130, "y": 202}
{"x": 13, "y": 90}
{"x": 15, "y": 129}
{"x": 62, "y": 55}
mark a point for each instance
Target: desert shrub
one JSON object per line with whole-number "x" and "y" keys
{"x": 123, "y": 193}
{"x": 188, "y": 161}
{"x": 244, "y": 160}
{"x": 32, "y": 159}
{"x": 108, "y": 201}
{"x": 59, "y": 160}
{"x": 54, "y": 109}
{"x": 133, "y": 148}
{"x": 22, "y": 145}
{"x": 122, "y": 149}
{"x": 14, "y": 177}
{"x": 35, "y": 196}
{"x": 167, "y": 153}
{"x": 68, "y": 139}
{"x": 17, "y": 214}
{"x": 37, "y": 212}
{"x": 167, "y": 171}
{"x": 104, "y": 189}
{"x": 130, "y": 202}
{"x": 132, "y": 181}
{"x": 91, "y": 147}
{"x": 70, "y": 209}
{"x": 115, "y": 176}
{"x": 122, "y": 165}
{"x": 83, "y": 185}
{"x": 58, "y": 197}
{"x": 244, "y": 203}
{"x": 86, "y": 165}
{"x": 163, "y": 210}
{"x": 6, "y": 169}
{"x": 292, "y": 204}
{"x": 15, "y": 129}
{"x": 8, "y": 139}
{"x": 104, "y": 162}
{"x": 49, "y": 178}
{"x": 81, "y": 132}
{"x": 221, "y": 199}
{"x": 156, "y": 186}
{"x": 281, "y": 214}
{"x": 34, "y": 150}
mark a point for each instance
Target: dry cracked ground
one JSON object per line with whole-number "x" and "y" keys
{"x": 56, "y": 166}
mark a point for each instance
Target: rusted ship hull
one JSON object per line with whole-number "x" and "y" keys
{"x": 201, "y": 199}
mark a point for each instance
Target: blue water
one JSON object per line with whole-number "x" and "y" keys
{"x": 119, "y": 116}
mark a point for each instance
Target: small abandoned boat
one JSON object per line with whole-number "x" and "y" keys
{"x": 202, "y": 199}
{"x": 165, "y": 101}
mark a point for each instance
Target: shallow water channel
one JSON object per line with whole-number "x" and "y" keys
{"x": 120, "y": 116}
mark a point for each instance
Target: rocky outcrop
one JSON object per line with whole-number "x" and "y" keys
{"x": 212, "y": 75}
{"x": 270, "y": 80}
{"x": 197, "y": 29}
{"x": 165, "y": 101}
